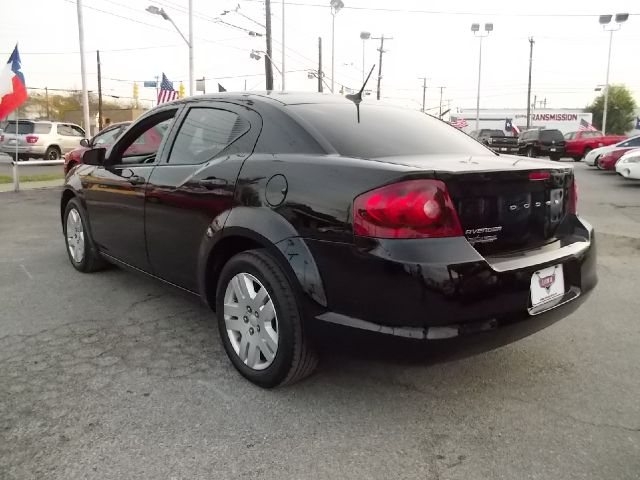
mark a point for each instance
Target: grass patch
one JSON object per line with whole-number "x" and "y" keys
{"x": 32, "y": 178}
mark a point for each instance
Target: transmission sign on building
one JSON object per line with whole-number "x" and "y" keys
{"x": 565, "y": 120}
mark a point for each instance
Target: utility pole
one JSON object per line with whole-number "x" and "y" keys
{"x": 320, "y": 64}
{"x": 46, "y": 96}
{"x": 424, "y": 91}
{"x": 268, "y": 68}
{"x": 544, "y": 102}
{"x": 99, "y": 92}
{"x": 441, "y": 89}
{"x": 531, "y": 42}
{"x": 381, "y": 50}
{"x": 535, "y": 101}
{"x": 283, "y": 47}
{"x": 83, "y": 71}
{"x": 191, "y": 79}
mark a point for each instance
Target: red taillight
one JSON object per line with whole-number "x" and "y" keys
{"x": 31, "y": 138}
{"x": 409, "y": 209}
{"x": 539, "y": 175}
{"x": 1, "y": 138}
{"x": 573, "y": 198}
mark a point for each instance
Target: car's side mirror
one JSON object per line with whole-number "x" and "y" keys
{"x": 84, "y": 143}
{"x": 95, "y": 156}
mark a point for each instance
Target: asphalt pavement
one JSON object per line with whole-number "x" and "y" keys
{"x": 115, "y": 376}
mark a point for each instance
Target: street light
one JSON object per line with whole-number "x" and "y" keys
{"x": 364, "y": 36}
{"x": 605, "y": 20}
{"x": 257, "y": 55}
{"x": 336, "y": 6}
{"x": 475, "y": 28}
{"x": 160, "y": 11}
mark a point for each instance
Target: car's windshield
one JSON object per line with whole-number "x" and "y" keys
{"x": 385, "y": 131}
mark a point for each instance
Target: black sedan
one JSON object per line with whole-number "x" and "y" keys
{"x": 281, "y": 210}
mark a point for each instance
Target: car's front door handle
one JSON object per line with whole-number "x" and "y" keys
{"x": 136, "y": 180}
{"x": 211, "y": 183}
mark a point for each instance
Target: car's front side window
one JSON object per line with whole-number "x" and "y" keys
{"x": 141, "y": 143}
{"x": 205, "y": 133}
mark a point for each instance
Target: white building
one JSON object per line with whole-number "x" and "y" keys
{"x": 563, "y": 119}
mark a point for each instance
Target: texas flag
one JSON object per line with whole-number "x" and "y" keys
{"x": 13, "y": 91}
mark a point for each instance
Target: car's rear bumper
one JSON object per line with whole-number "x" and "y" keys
{"x": 507, "y": 149}
{"x": 22, "y": 149}
{"x": 545, "y": 150}
{"x": 442, "y": 288}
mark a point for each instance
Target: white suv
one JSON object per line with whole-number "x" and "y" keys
{"x": 38, "y": 139}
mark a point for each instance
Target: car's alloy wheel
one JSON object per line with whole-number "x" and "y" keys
{"x": 52, "y": 153}
{"x": 251, "y": 321}
{"x": 261, "y": 320}
{"x": 75, "y": 236}
{"x": 80, "y": 247}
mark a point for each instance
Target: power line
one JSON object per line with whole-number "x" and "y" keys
{"x": 439, "y": 12}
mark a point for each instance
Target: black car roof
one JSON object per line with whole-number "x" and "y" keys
{"x": 281, "y": 98}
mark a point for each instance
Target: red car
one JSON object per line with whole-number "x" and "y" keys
{"x": 578, "y": 144}
{"x": 608, "y": 160}
{"x": 104, "y": 138}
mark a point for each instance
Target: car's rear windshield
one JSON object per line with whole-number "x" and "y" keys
{"x": 551, "y": 135}
{"x": 494, "y": 133}
{"x": 385, "y": 131}
{"x": 26, "y": 128}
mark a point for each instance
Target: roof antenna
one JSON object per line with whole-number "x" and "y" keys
{"x": 357, "y": 97}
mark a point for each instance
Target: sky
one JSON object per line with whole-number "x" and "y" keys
{"x": 431, "y": 39}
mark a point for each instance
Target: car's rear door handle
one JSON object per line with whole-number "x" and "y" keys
{"x": 136, "y": 180}
{"x": 211, "y": 183}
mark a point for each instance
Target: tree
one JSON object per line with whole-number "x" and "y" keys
{"x": 620, "y": 111}
{"x": 36, "y": 105}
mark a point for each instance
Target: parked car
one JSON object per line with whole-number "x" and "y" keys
{"x": 39, "y": 139}
{"x": 104, "y": 138}
{"x": 580, "y": 143}
{"x": 542, "y": 142}
{"x": 284, "y": 210}
{"x": 608, "y": 160}
{"x": 629, "y": 164}
{"x": 496, "y": 140}
{"x": 591, "y": 158}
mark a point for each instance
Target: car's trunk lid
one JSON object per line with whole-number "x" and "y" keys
{"x": 504, "y": 203}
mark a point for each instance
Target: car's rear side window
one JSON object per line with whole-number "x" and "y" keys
{"x": 42, "y": 128}
{"x": 385, "y": 131}
{"x": 205, "y": 133}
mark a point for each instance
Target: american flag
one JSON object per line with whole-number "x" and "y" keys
{"x": 167, "y": 93}
{"x": 584, "y": 125}
{"x": 459, "y": 122}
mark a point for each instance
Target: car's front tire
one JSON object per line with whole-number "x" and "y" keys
{"x": 80, "y": 247}
{"x": 261, "y": 322}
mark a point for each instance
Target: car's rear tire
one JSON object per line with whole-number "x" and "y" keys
{"x": 586, "y": 152}
{"x": 555, "y": 158}
{"x": 53, "y": 153}
{"x": 261, "y": 321}
{"x": 81, "y": 250}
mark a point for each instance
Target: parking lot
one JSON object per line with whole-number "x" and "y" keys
{"x": 114, "y": 376}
